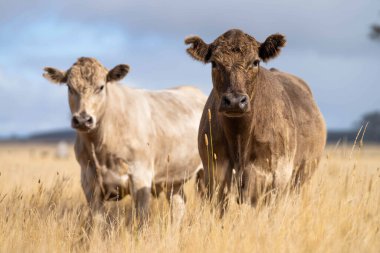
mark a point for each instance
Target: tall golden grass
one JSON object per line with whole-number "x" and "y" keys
{"x": 42, "y": 209}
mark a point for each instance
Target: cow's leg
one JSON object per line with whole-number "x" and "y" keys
{"x": 283, "y": 174}
{"x": 200, "y": 184}
{"x": 304, "y": 172}
{"x": 92, "y": 190}
{"x": 222, "y": 200}
{"x": 244, "y": 183}
{"x": 224, "y": 189}
{"x": 260, "y": 185}
{"x": 221, "y": 183}
{"x": 140, "y": 184}
{"x": 94, "y": 197}
{"x": 253, "y": 184}
{"x": 177, "y": 199}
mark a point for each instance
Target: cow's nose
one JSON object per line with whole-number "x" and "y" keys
{"x": 234, "y": 103}
{"x": 75, "y": 120}
{"x": 82, "y": 121}
{"x": 243, "y": 102}
{"x": 226, "y": 101}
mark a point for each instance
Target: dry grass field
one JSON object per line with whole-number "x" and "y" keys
{"x": 42, "y": 209}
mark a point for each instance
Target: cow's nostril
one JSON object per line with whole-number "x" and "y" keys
{"x": 243, "y": 100}
{"x": 226, "y": 100}
{"x": 75, "y": 121}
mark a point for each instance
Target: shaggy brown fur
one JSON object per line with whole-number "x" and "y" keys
{"x": 125, "y": 136}
{"x": 276, "y": 140}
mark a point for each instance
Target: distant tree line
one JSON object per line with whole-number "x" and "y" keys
{"x": 372, "y": 121}
{"x": 375, "y": 32}
{"x": 369, "y": 125}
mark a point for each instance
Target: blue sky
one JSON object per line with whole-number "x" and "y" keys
{"x": 328, "y": 46}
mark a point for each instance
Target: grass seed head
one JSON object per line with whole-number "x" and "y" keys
{"x": 206, "y": 140}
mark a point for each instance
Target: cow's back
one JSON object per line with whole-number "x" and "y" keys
{"x": 175, "y": 116}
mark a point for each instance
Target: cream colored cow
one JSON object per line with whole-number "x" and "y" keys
{"x": 131, "y": 140}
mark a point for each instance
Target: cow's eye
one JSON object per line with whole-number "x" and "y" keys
{"x": 256, "y": 63}
{"x": 100, "y": 89}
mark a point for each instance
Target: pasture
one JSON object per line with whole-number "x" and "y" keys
{"x": 43, "y": 209}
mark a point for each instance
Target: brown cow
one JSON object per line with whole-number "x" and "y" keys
{"x": 130, "y": 140}
{"x": 265, "y": 125}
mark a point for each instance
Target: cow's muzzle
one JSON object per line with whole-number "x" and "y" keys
{"x": 82, "y": 122}
{"x": 234, "y": 104}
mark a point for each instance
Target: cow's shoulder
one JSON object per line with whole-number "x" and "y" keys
{"x": 292, "y": 81}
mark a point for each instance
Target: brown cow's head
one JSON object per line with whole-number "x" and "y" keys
{"x": 235, "y": 57}
{"x": 87, "y": 82}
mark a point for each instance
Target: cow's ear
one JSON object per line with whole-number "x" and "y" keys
{"x": 55, "y": 75}
{"x": 117, "y": 73}
{"x": 271, "y": 46}
{"x": 199, "y": 50}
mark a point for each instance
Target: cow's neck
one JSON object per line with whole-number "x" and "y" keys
{"x": 238, "y": 133}
{"x": 89, "y": 138}
{"x": 240, "y": 130}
